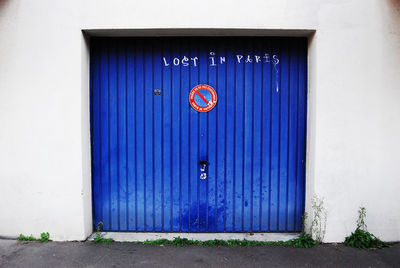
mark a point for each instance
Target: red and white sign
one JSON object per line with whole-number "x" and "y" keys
{"x": 203, "y": 98}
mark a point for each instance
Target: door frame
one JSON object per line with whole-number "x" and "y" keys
{"x": 198, "y": 32}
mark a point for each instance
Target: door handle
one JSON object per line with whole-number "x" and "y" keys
{"x": 203, "y": 169}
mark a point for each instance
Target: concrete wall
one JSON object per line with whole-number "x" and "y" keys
{"x": 353, "y": 139}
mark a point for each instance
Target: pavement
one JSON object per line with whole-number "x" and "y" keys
{"x": 126, "y": 254}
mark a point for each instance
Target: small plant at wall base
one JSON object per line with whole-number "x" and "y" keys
{"x": 99, "y": 237}
{"x": 361, "y": 238}
{"x": 26, "y": 238}
{"x": 304, "y": 240}
{"x": 320, "y": 215}
{"x": 317, "y": 228}
{"x": 44, "y": 237}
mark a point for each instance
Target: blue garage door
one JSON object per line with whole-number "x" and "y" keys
{"x": 161, "y": 165}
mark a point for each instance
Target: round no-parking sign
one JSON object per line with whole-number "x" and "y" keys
{"x": 203, "y": 98}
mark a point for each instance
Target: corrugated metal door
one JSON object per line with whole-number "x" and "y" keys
{"x": 147, "y": 140}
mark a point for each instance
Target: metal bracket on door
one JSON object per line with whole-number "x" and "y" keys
{"x": 157, "y": 91}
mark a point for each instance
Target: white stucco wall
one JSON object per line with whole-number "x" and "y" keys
{"x": 354, "y": 93}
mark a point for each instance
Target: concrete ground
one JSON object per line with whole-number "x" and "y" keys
{"x": 88, "y": 254}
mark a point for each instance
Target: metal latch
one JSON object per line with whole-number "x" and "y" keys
{"x": 157, "y": 91}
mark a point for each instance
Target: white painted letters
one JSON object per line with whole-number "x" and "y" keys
{"x": 214, "y": 60}
{"x": 194, "y": 60}
{"x": 185, "y": 61}
{"x": 249, "y": 59}
{"x": 275, "y": 59}
{"x": 165, "y": 62}
{"x": 266, "y": 57}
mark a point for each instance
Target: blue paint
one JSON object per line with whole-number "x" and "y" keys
{"x": 146, "y": 148}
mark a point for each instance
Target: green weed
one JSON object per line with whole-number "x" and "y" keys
{"x": 44, "y": 237}
{"x": 361, "y": 238}
{"x": 303, "y": 241}
{"x": 99, "y": 237}
{"x": 26, "y": 238}
{"x": 364, "y": 240}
